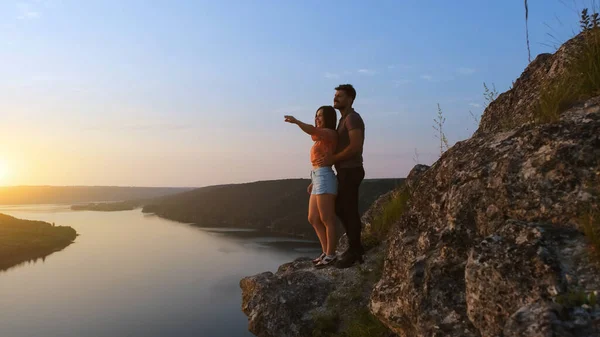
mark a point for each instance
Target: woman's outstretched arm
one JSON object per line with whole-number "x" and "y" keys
{"x": 310, "y": 129}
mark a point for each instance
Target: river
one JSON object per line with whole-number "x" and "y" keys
{"x": 130, "y": 274}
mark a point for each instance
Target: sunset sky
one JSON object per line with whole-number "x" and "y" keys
{"x": 193, "y": 93}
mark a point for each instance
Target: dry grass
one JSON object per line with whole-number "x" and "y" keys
{"x": 390, "y": 213}
{"x": 579, "y": 81}
{"x": 364, "y": 324}
{"x": 439, "y": 128}
{"x": 590, "y": 224}
{"x": 575, "y": 298}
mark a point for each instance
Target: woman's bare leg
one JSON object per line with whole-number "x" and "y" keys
{"x": 314, "y": 218}
{"x": 326, "y": 205}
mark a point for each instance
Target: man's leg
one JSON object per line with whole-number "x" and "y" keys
{"x": 341, "y": 201}
{"x": 348, "y": 208}
{"x": 352, "y": 215}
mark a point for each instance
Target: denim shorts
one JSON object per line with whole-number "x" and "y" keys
{"x": 324, "y": 181}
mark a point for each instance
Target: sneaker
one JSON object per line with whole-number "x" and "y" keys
{"x": 326, "y": 261}
{"x": 318, "y": 259}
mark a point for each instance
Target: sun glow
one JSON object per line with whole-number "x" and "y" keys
{"x": 3, "y": 172}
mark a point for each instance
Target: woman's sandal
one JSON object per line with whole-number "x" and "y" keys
{"x": 318, "y": 259}
{"x": 326, "y": 261}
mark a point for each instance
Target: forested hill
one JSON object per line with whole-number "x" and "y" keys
{"x": 276, "y": 205}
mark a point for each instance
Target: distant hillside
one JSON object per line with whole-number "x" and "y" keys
{"x": 127, "y": 205}
{"x": 24, "y": 240}
{"x": 277, "y": 206}
{"x": 15, "y": 195}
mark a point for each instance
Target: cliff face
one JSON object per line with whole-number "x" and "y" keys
{"x": 490, "y": 243}
{"x": 492, "y": 228}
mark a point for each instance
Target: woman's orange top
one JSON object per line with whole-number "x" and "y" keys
{"x": 325, "y": 144}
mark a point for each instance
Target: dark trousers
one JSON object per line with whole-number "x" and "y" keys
{"x": 346, "y": 205}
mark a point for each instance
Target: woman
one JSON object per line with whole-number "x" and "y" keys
{"x": 323, "y": 187}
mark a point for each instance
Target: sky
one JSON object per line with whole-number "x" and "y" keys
{"x": 193, "y": 93}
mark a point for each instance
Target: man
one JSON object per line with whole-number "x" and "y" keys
{"x": 348, "y": 162}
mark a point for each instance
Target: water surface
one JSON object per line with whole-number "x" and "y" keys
{"x": 130, "y": 274}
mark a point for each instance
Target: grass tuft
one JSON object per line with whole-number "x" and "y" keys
{"x": 390, "y": 213}
{"x": 590, "y": 224}
{"x": 576, "y": 298}
{"x": 439, "y": 127}
{"x": 364, "y": 324}
{"x": 326, "y": 324}
{"x": 579, "y": 81}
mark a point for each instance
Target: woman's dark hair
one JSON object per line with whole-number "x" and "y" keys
{"x": 329, "y": 115}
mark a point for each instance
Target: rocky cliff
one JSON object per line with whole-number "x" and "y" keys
{"x": 490, "y": 242}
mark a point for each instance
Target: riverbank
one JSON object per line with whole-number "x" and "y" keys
{"x": 108, "y": 206}
{"x": 24, "y": 240}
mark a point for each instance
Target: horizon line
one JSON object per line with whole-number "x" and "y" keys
{"x": 190, "y": 187}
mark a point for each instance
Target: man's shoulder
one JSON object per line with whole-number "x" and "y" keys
{"x": 354, "y": 119}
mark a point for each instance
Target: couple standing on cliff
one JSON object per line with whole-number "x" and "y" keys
{"x": 332, "y": 195}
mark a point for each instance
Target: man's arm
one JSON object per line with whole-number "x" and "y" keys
{"x": 356, "y": 144}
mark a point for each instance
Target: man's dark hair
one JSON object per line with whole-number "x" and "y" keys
{"x": 348, "y": 89}
{"x": 329, "y": 115}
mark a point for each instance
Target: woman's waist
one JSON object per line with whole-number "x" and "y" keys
{"x": 322, "y": 170}
{"x": 323, "y": 147}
